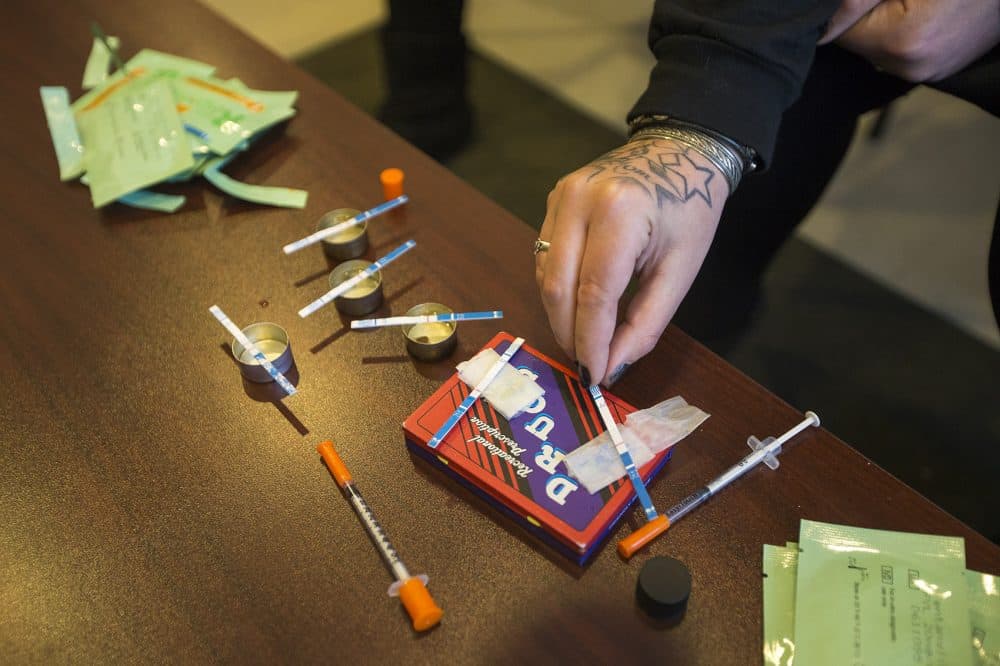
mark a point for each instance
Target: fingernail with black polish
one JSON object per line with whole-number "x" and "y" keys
{"x": 584, "y": 374}
{"x": 617, "y": 374}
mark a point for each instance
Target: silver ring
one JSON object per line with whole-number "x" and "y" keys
{"x": 541, "y": 246}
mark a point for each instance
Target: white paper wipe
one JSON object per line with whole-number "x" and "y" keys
{"x": 510, "y": 393}
{"x": 646, "y": 433}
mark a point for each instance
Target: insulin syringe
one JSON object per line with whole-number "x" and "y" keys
{"x": 411, "y": 590}
{"x": 766, "y": 452}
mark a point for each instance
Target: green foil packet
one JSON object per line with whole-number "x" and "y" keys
{"x": 984, "y": 615}
{"x": 223, "y": 115}
{"x": 876, "y": 597}
{"x": 133, "y": 134}
{"x": 780, "y": 568}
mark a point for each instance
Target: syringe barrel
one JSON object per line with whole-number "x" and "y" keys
{"x": 376, "y": 532}
{"x": 688, "y": 504}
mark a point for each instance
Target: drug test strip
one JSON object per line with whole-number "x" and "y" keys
{"x": 623, "y": 453}
{"x": 347, "y": 224}
{"x": 426, "y": 319}
{"x": 470, "y": 399}
{"x": 347, "y": 285}
{"x": 257, "y": 353}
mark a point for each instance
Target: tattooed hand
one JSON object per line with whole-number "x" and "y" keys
{"x": 649, "y": 208}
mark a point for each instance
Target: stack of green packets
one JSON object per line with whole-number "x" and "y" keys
{"x": 163, "y": 119}
{"x": 851, "y": 596}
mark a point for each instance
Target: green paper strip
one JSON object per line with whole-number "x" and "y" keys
{"x": 149, "y": 200}
{"x": 780, "y": 568}
{"x": 96, "y": 70}
{"x": 62, "y": 129}
{"x": 271, "y": 196}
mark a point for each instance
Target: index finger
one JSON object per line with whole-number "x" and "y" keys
{"x": 614, "y": 244}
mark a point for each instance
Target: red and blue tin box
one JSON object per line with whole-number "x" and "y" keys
{"x": 515, "y": 465}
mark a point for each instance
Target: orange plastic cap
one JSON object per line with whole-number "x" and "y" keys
{"x": 392, "y": 183}
{"x": 333, "y": 461}
{"x": 419, "y": 604}
{"x": 628, "y": 546}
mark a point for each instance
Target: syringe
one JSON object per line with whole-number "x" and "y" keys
{"x": 411, "y": 590}
{"x": 766, "y": 451}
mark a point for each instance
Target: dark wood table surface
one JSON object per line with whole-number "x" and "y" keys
{"x": 152, "y": 508}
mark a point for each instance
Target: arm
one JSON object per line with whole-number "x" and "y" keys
{"x": 917, "y": 40}
{"x": 650, "y": 208}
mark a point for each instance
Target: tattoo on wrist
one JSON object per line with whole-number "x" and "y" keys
{"x": 665, "y": 169}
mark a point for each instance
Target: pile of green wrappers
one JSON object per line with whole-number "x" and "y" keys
{"x": 845, "y": 595}
{"x": 160, "y": 119}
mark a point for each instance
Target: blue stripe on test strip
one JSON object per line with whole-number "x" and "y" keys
{"x": 347, "y": 284}
{"x": 317, "y": 236}
{"x": 470, "y": 400}
{"x": 626, "y": 457}
{"x": 420, "y": 319}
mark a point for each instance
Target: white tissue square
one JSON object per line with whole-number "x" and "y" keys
{"x": 510, "y": 393}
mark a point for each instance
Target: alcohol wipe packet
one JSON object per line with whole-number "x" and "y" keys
{"x": 133, "y": 137}
{"x": 984, "y": 615}
{"x": 868, "y": 596}
{"x": 780, "y": 569}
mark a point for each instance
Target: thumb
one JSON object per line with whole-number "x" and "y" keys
{"x": 849, "y": 13}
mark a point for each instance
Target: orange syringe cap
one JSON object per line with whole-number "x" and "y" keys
{"x": 392, "y": 182}
{"x": 419, "y": 604}
{"x": 628, "y": 546}
{"x": 333, "y": 461}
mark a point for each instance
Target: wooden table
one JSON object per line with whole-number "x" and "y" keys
{"x": 152, "y": 508}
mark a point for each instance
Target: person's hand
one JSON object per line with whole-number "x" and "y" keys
{"x": 650, "y": 208}
{"x": 917, "y": 40}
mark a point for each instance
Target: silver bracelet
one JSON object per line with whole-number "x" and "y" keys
{"x": 724, "y": 158}
{"x": 746, "y": 153}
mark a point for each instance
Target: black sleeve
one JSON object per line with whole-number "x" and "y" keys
{"x": 732, "y": 66}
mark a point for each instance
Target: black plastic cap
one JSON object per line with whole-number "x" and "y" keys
{"x": 663, "y": 588}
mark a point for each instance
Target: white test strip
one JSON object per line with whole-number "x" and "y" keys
{"x": 347, "y": 224}
{"x": 257, "y": 353}
{"x": 347, "y": 285}
{"x": 623, "y": 452}
{"x": 426, "y": 319}
{"x": 470, "y": 399}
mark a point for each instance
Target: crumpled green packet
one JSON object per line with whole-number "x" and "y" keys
{"x": 95, "y": 72}
{"x": 133, "y": 137}
{"x": 224, "y": 115}
{"x": 984, "y": 615}
{"x": 154, "y": 60}
{"x": 62, "y": 128}
{"x": 780, "y": 569}
{"x": 877, "y": 597}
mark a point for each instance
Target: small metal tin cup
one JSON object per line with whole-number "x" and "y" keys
{"x": 363, "y": 298}
{"x": 272, "y": 341}
{"x": 348, "y": 244}
{"x": 433, "y": 341}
